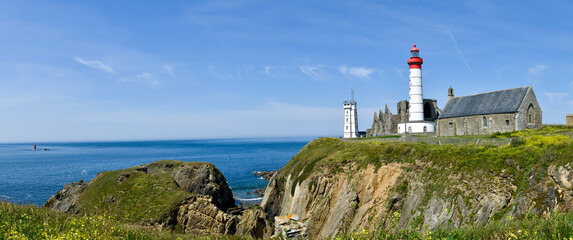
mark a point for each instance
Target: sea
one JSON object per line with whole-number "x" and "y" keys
{"x": 29, "y": 176}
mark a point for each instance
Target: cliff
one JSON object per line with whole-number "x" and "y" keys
{"x": 191, "y": 197}
{"x": 337, "y": 187}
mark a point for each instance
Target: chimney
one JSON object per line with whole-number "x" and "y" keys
{"x": 450, "y": 93}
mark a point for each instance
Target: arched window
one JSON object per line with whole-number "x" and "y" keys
{"x": 425, "y": 129}
{"x": 409, "y": 129}
{"x": 484, "y": 122}
{"x": 530, "y": 114}
{"x": 451, "y": 125}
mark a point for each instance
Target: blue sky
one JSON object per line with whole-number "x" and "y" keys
{"x": 115, "y": 70}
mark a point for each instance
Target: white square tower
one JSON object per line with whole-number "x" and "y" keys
{"x": 350, "y": 118}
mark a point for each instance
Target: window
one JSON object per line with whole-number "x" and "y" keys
{"x": 530, "y": 113}
{"x": 346, "y": 119}
{"x": 451, "y": 125}
{"x": 346, "y": 127}
{"x": 484, "y": 122}
{"x": 409, "y": 129}
{"x": 507, "y": 123}
{"x": 346, "y": 112}
{"x": 425, "y": 129}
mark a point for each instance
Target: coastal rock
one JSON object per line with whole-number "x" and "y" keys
{"x": 254, "y": 223}
{"x": 562, "y": 175}
{"x": 289, "y": 227}
{"x": 199, "y": 216}
{"x": 267, "y": 175}
{"x": 65, "y": 199}
{"x": 206, "y": 180}
{"x": 329, "y": 204}
{"x": 158, "y": 194}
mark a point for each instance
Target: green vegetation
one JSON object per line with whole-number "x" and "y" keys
{"x": 556, "y": 226}
{"x": 33, "y": 222}
{"x": 142, "y": 198}
{"x": 535, "y": 149}
{"x": 381, "y": 137}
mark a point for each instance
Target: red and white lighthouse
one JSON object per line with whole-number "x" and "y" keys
{"x": 416, "y": 123}
{"x": 416, "y": 96}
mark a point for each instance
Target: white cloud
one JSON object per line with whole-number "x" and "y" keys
{"x": 148, "y": 79}
{"x": 267, "y": 69}
{"x": 399, "y": 72}
{"x": 169, "y": 69}
{"x": 360, "y": 72}
{"x": 537, "y": 69}
{"x": 457, "y": 47}
{"x": 95, "y": 64}
{"x": 312, "y": 71}
{"x": 555, "y": 96}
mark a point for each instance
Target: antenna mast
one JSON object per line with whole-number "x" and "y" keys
{"x": 352, "y": 93}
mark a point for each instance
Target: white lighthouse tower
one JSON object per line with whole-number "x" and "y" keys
{"x": 416, "y": 123}
{"x": 350, "y": 118}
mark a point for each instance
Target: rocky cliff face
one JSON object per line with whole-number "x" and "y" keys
{"x": 412, "y": 185}
{"x": 329, "y": 203}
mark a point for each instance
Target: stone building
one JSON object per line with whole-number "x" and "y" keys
{"x": 569, "y": 120}
{"x": 486, "y": 113}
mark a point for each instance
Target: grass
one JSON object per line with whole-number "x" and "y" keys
{"x": 555, "y": 226}
{"x": 33, "y": 222}
{"x": 143, "y": 198}
{"x": 332, "y": 153}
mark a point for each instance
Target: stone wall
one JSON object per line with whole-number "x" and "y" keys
{"x": 529, "y": 106}
{"x": 569, "y": 120}
{"x": 473, "y": 125}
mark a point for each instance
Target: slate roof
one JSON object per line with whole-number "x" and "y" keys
{"x": 504, "y": 101}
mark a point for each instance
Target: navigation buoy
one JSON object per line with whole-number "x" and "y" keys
{"x": 34, "y": 146}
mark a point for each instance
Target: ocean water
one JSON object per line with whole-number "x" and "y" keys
{"x": 28, "y": 176}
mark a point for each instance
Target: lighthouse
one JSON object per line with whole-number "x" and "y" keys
{"x": 416, "y": 123}
{"x": 350, "y": 118}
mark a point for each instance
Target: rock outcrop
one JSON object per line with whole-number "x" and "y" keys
{"x": 199, "y": 216}
{"x": 267, "y": 175}
{"x": 191, "y": 196}
{"x": 65, "y": 199}
{"x": 328, "y": 203}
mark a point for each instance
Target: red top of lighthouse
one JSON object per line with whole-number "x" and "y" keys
{"x": 415, "y": 61}
{"x": 415, "y": 49}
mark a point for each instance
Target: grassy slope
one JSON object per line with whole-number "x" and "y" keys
{"x": 142, "y": 198}
{"x": 33, "y": 222}
{"x": 533, "y": 151}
